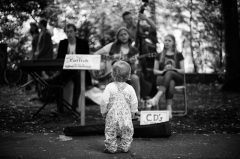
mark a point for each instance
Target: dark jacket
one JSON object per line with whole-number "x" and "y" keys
{"x": 45, "y": 46}
{"x": 82, "y": 47}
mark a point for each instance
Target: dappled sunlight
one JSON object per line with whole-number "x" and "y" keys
{"x": 187, "y": 22}
{"x": 58, "y": 34}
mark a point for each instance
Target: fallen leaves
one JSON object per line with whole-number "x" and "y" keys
{"x": 209, "y": 111}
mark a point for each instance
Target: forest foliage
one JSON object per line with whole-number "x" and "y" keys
{"x": 198, "y": 23}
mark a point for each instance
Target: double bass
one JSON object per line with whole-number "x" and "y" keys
{"x": 147, "y": 79}
{"x": 139, "y": 36}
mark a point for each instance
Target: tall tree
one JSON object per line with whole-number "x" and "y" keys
{"x": 14, "y": 12}
{"x": 232, "y": 47}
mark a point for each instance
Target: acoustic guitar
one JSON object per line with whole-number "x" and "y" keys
{"x": 107, "y": 62}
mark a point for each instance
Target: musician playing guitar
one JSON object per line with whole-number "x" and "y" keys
{"x": 122, "y": 49}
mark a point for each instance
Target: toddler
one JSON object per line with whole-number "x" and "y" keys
{"x": 118, "y": 106}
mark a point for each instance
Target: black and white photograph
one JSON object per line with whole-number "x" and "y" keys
{"x": 119, "y": 79}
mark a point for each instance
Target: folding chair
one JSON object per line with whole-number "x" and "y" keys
{"x": 183, "y": 90}
{"x": 178, "y": 90}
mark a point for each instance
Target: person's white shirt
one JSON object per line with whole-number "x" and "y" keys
{"x": 71, "y": 48}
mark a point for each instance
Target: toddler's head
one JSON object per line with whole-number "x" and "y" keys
{"x": 121, "y": 71}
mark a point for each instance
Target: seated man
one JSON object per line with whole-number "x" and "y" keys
{"x": 71, "y": 45}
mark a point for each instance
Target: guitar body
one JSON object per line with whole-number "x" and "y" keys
{"x": 104, "y": 72}
{"x": 106, "y": 65}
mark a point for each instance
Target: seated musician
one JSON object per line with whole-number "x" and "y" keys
{"x": 71, "y": 45}
{"x": 122, "y": 49}
{"x": 169, "y": 67}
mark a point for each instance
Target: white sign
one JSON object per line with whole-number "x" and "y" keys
{"x": 153, "y": 117}
{"x": 82, "y": 62}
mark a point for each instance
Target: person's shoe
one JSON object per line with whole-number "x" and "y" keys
{"x": 108, "y": 151}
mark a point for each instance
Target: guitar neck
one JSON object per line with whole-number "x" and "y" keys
{"x": 150, "y": 55}
{"x": 110, "y": 57}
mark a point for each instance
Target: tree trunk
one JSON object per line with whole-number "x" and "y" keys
{"x": 195, "y": 69}
{"x": 3, "y": 60}
{"x": 232, "y": 46}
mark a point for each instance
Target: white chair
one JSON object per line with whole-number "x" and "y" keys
{"x": 178, "y": 90}
{"x": 183, "y": 90}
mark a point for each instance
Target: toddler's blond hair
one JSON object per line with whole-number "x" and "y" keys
{"x": 121, "y": 71}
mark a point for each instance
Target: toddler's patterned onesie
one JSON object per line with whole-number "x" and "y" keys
{"x": 119, "y": 100}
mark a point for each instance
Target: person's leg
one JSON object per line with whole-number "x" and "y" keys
{"x": 171, "y": 79}
{"x": 161, "y": 90}
{"x": 52, "y": 82}
{"x": 163, "y": 83}
{"x": 172, "y": 75}
{"x": 135, "y": 82}
{"x": 170, "y": 89}
{"x": 169, "y": 97}
{"x": 146, "y": 86}
{"x": 126, "y": 139}
{"x": 88, "y": 80}
{"x": 61, "y": 77}
{"x": 169, "y": 107}
{"x": 110, "y": 136}
{"x": 76, "y": 90}
{"x": 126, "y": 134}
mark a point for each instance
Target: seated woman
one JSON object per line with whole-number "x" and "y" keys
{"x": 169, "y": 68}
{"x": 122, "y": 49}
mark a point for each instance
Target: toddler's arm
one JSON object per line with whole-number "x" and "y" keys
{"x": 105, "y": 101}
{"x": 133, "y": 101}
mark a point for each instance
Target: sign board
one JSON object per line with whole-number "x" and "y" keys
{"x": 153, "y": 117}
{"x": 82, "y": 62}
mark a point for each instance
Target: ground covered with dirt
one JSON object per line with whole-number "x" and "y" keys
{"x": 209, "y": 111}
